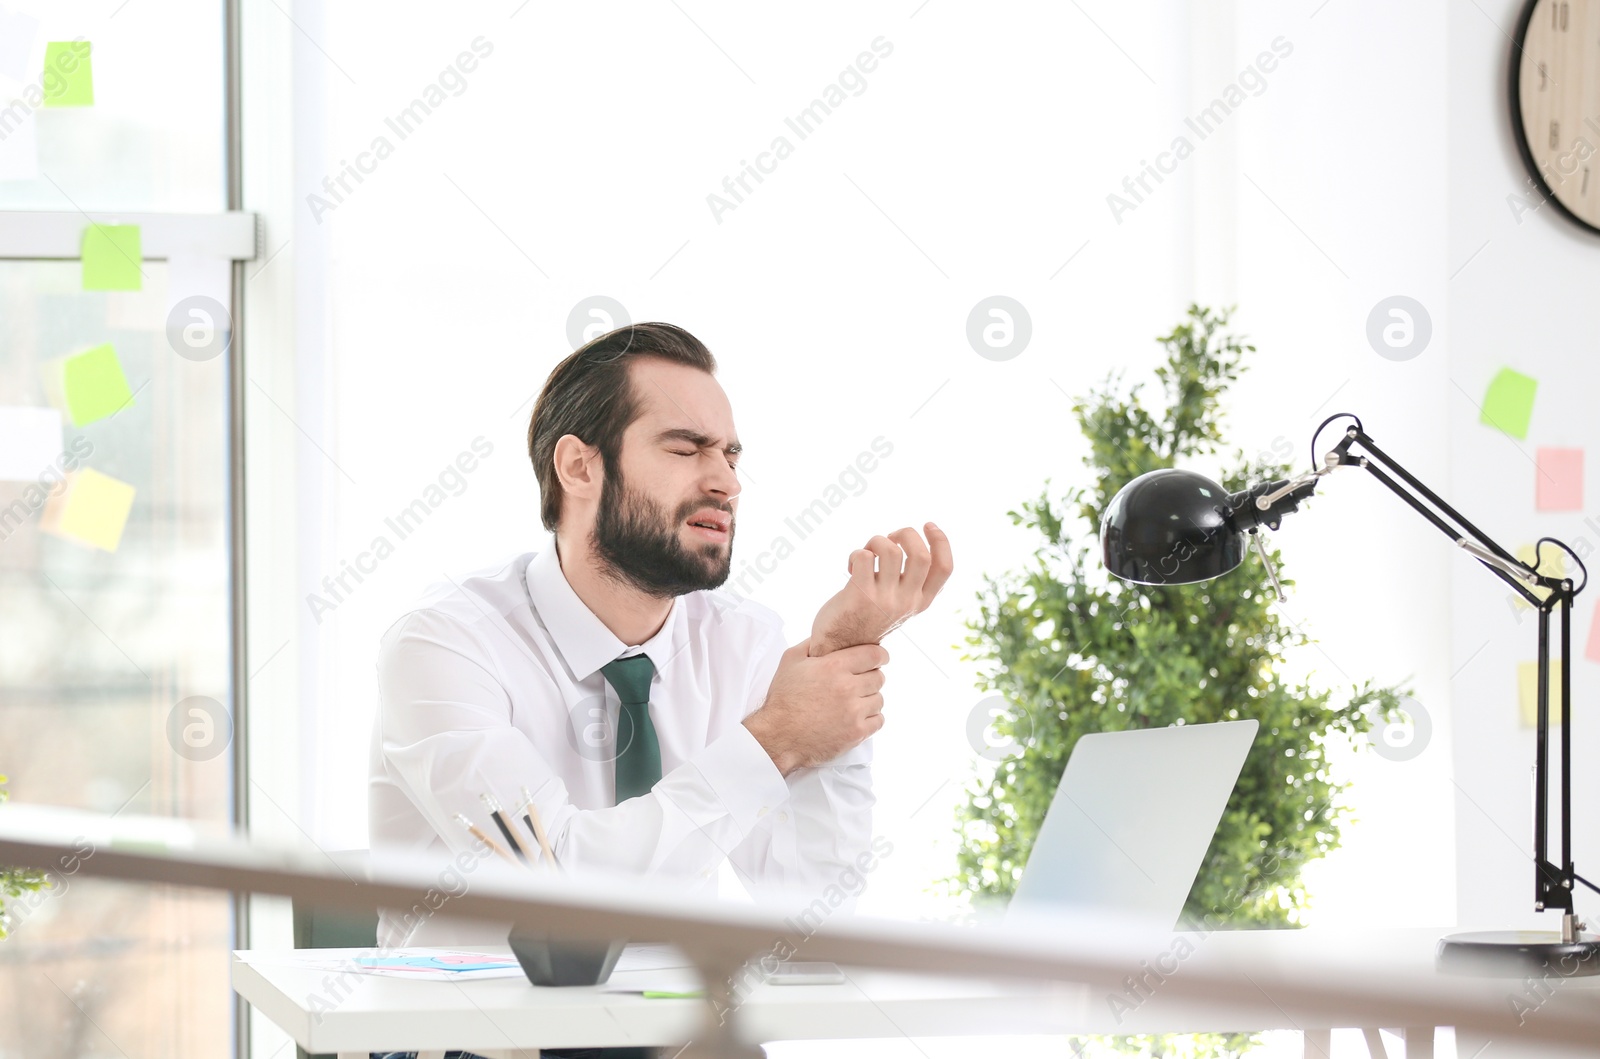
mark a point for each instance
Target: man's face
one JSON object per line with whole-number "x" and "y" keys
{"x": 676, "y": 470}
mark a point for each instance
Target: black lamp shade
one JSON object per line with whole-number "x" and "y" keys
{"x": 1170, "y": 527}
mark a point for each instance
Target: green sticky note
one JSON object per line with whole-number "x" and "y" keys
{"x": 1509, "y": 403}
{"x": 111, "y": 254}
{"x": 661, "y": 994}
{"x": 93, "y": 385}
{"x": 68, "y": 76}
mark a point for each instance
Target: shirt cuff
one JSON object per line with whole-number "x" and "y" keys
{"x": 860, "y": 754}
{"x": 743, "y": 776}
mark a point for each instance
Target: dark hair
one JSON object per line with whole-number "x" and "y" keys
{"x": 590, "y": 395}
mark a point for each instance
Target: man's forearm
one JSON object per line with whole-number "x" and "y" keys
{"x": 837, "y": 639}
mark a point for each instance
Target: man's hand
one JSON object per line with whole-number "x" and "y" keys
{"x": 817, "y": 708}
{"x": 875, "y": 602}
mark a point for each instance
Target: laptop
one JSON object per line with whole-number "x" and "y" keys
{"x": 1131, "y": 822}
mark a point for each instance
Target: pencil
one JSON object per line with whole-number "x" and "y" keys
{"x": 485, "y": 839}
{"x": 530, "y": 816}
{"x": 499, "y": 819}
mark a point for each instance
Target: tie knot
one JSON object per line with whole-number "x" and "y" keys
{"x": 631, "y": 677}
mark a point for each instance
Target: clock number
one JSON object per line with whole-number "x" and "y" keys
{"x": 1557, "y": 126}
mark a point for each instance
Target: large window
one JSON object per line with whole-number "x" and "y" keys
{"x": 116, "y": 692}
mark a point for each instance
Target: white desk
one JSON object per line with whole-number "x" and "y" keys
{"x": 498, "y": 1017}
{"x": 1256, "y": 955}
{"x": 1245, "y": 980}
{"x": 503, "y": 1018}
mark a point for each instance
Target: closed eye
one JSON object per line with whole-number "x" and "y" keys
{"x": 675, "y": 452}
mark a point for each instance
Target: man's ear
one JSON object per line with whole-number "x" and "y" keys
{"x": 579, "y": 468}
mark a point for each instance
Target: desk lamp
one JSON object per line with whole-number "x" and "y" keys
{"x": 1173, "y": 526}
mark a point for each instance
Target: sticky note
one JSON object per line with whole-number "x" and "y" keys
{"x": 189, "y": 276}
{"x": 90, "y": 508}
{"x": 19, "y": 145}
{"x": 1559, "y": 480}
{"x": 68, "y": 75}
{"x": 17, "y": 30}
{"x": 111, "y": 254}
{"x": 1553, "y": 564}
{"x": 1528, "y": 692}
{"x": 30, "y": 442}
{"x": 1509, "y": 403}
{"x": 92, "y": 385}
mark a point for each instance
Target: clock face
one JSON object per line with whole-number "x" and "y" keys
{"x": 1555, "y": 102}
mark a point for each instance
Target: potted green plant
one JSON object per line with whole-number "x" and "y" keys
{"x": 1077, "y": 651}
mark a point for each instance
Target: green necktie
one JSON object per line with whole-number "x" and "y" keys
{"x": 638, "y": 752}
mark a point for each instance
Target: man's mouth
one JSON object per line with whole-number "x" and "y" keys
{"x": 712, "y": 525}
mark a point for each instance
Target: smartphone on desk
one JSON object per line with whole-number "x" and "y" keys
{"x": 789, "y": 972}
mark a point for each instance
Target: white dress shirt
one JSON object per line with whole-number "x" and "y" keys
{"x": 492, "y": 683}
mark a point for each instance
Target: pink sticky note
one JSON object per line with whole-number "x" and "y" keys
{"x": 1560, "y": 480}
{"x": 1591, "y": 650}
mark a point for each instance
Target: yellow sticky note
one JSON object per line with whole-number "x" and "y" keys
{"x": 1528, "y": 692}
{"x": 1591, "y": 650}
{"x": 68, "y": 76}
{"x": 90, "y": 508}
{"x": 111, "y": 255}
{"x": 1552, "y": 565}
{"x": 88, "y": 386}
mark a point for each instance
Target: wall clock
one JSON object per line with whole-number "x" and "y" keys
{"x": 1555, "y": 103}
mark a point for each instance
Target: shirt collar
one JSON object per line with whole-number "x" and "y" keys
{"x": 582, "y": 638}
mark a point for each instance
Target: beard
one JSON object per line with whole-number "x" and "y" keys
{"x": 639, "y": 543}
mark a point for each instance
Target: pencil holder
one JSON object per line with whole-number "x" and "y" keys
{"x": 559, "y": 961}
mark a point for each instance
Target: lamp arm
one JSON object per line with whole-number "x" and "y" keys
{"x": 1553, "y": 884}
{"x": 1466, "y": 536}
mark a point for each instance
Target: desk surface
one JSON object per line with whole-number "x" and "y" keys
{"x": 497, "y": 1016}
{"x": 1255, "y": 957}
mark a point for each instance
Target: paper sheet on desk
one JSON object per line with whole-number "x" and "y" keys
{"x": 651, "y": 956}
{"x": 642, "y": 965}
{"x": 418, "y": 964}
{"x": 653, "y": 968}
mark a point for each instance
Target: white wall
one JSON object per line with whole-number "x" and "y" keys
{"x": 1526, "y": 301}
{"x": 434, "y": 300}
{"x": 578, "y": 161}
{"x": 1324, "y": 230}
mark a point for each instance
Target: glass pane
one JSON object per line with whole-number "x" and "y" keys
{"x": 153, "y": 136}
{"x": 114, "y": 654}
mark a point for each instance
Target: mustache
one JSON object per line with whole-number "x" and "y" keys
{"x": 691, "y": 509}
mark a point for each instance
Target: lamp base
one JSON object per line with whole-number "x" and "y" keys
{"x": 1518, "y": 954}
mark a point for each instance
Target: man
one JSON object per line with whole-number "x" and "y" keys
{"x": 660, "y": 723}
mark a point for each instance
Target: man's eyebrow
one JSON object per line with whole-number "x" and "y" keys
{"x": 698, "y": 440}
